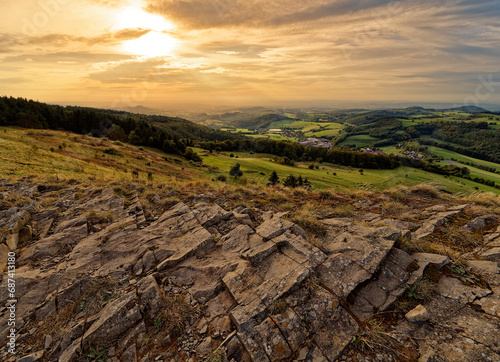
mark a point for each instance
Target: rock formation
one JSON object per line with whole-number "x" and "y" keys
{"x": 99, "y": 279}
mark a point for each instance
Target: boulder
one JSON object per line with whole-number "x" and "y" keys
{"x": 418, "y": 314}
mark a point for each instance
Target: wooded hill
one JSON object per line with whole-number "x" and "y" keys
{"x": 170, "y": 134}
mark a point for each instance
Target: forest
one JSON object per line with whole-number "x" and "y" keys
{"x": 172, "y": 135}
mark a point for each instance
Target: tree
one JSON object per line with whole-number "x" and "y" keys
{"x": 235, "y": 171}
{"x": 300, "y": 181}
{"x": 290, "y": 181}
{"x": 134, "y": 138}
{"x": 274, "y": 179}
{"x": 191, "y": 155}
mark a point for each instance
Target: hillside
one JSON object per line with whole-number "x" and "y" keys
{"x": 126, "y": 271}
{"x": 126, "y": 253}
{"x": 166, "y": 133}
{"x": 261, "y": 121}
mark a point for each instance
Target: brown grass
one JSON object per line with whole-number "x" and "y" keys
{"x": 425, "y": 190}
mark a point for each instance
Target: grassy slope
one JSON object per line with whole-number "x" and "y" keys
{"x": 345, "y": 177}
{"x": 28, "y": 153}
{"x": 359, "y": 140}
{"x": 446, "y": 154}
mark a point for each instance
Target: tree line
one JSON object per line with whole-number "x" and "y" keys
{"x": 172, "y": 135}
{"x": 474, "y": 139}
{"x": 289, "y": 151}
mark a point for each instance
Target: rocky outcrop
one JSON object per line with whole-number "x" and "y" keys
{"x": 200, "y": 281}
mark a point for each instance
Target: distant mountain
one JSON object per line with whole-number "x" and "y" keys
{"x": 262, "y": 121}
{"x": 469, "y": 109}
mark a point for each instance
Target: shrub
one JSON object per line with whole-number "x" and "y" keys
{"x": 190, "y": 155}
{"x": 111, "y": 151}
{"x": 235, "y": 171}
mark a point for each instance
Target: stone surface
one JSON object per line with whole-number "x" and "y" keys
{"x": 114, "y": 320}
{"x": 418, "y": 314}
{"x": 434, "y": 223}
{"x": 4, "y": 255}
{"x": 454, "y": 289}
{"x": 245, "y": 281}
{"x": 130, "y": 355}
{"x": 480, "y": 222}
{"x": 483, "y": 266}
{"x": 353, "y": 261}
{"x": 492, "y": 254}
{"x": 150, "y": 296}
{"x": 272, "y": 340}
{"x": 32, "y": 357}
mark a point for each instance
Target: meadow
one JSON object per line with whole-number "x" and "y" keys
{"x": 57, "y": 155}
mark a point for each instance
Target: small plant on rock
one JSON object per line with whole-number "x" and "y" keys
{"x": 95, "y": 355}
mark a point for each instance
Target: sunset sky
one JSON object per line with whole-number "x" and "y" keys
{"x": 159, "y": 53}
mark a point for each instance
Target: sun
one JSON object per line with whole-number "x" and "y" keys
{"x": 158, "y": 42}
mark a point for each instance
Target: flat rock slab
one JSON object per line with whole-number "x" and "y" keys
{"x": 431, "y": 225}
{"x": 492, "y": 254}
{"x": 382, "y": 291}
{"x": 115, "y": 319}
{"x": 480, "y": 328}
{"x": 292, "y": 328}
{"x": 484, "y": 267}
{"x": 354, "y": 260}
{"x": 336, "y": 334}
{"x": 490, "y": 304}
{"x": 454, "y": 289}
{"x": 273, "y": 228}
{"x": 272, "y": 340}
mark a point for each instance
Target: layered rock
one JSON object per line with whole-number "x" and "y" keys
{"x": 200, "y": 281}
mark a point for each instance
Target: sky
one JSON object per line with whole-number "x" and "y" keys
{"x": 167, "y": 53}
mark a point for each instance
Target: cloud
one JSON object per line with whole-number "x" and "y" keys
{"x": 206, "y": 14}
{"x": 67, "y": 57}
{"x": 109, "y": 3}
{"x": 10, "y": 41}
{"x": 200, "y": 14}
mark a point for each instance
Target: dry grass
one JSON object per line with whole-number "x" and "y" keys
{"x": 478, "y": 210}
{"x": 95, "y": 218}
{"x": 429, "y": 246}
{"x": 375, "y": 338}
{"x": 399, "y": 193}
{"x": 305, "y": 216}
{"x": 95, "y": 297}
{"x": 460, "y": 238}
{"x": 484, "y": 198}
{"x": 393, "y": 208}
{"x": 425, "y": 190}
{"x": 345, "y": 210}
{"x": 176, "y": 313}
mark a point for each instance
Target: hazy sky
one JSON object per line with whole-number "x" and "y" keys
{"x": 116, "y": 53}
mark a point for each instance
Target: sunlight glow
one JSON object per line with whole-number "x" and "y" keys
{"x": 135, "y": 17}
{"x": 153, "y": 44}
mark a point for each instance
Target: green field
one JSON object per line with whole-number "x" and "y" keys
{"x": 34, "y": 152}
{"x": 448, "y": 155}
{"x": 252, "y": 165}
{"x": 359, "y": 140}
